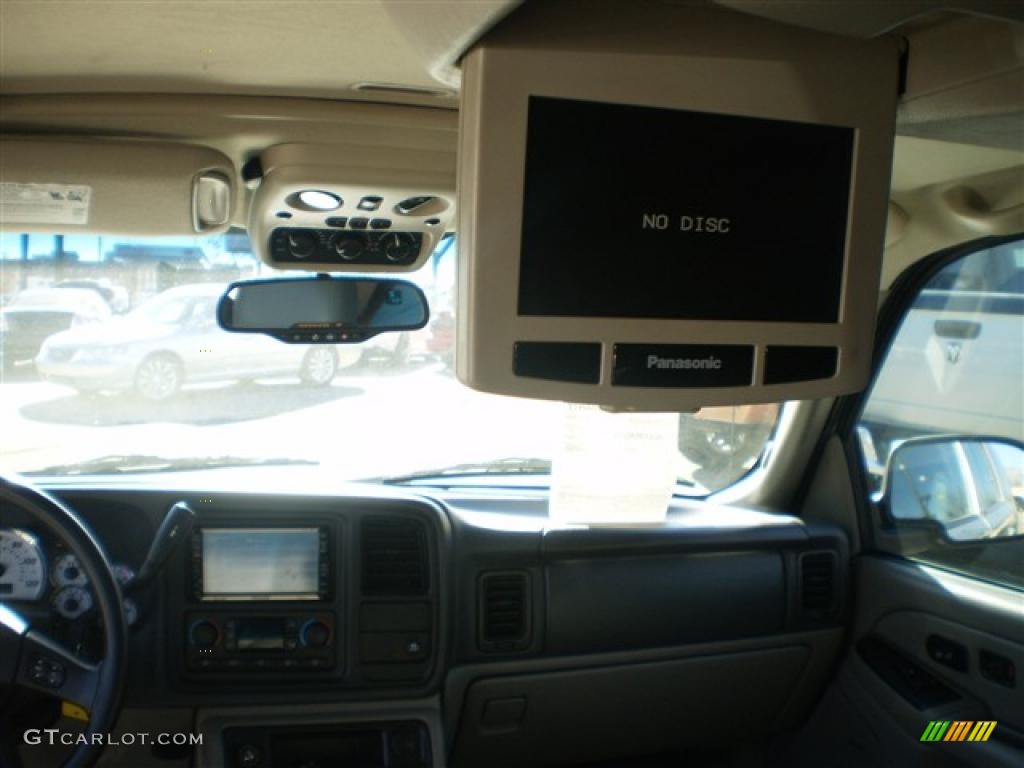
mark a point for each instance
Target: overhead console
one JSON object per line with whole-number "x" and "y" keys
{"x": 644, "y": 228}
{"x": 363, "y": 209}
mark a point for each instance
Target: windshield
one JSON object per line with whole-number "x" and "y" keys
{"x": 151, "y": 383}
{"x": 168, "y": 308}
{"x": 67, "y": 299}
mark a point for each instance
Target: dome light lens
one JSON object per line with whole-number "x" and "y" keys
{"x": 320, "y": 201}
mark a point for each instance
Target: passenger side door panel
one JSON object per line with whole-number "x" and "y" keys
{"x": 879, "y": 708}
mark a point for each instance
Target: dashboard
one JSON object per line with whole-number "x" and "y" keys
{"x": 346, "y": 596}
{"x": 460, "y": 628}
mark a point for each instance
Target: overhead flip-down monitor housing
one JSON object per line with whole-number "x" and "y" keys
{"x": 663, "y": 227}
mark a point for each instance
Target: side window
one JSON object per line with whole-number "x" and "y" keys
{"x": 942, "y": 430}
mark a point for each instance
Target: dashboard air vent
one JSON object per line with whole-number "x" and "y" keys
{"x": 394, "y": 557}
{"x": 504, "y": 611}
{"x": 818, "y": 585}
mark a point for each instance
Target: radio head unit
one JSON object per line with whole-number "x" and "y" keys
{"x": 230, "y": 642}
{"x": 257, "y": 564}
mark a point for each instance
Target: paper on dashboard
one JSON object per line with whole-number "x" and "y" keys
{"x": 614, "y": 468}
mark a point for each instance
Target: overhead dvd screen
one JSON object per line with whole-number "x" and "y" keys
{"x": 643, "y": 212}
{"x": 657, "y": 225}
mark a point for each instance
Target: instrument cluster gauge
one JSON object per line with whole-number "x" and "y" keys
{"x": 73, "y": 602}
{"x": 22, "y": 566}
{"x": 67, "y": 572}
{"x": 131, "y": 611}
{"x": 124, "y": 574}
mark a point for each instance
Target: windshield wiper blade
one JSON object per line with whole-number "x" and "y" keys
{"x": 508, "y": 466}
{"x": 117, "y": 464}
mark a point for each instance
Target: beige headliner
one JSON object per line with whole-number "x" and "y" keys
{"x": 314, "y": 48}
{"x": 208, "y": 68}
{"x": 321, "y": 48}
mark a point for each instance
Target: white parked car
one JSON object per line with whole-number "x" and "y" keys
{"x": 34, "y": 314}
{"x": 173, "y": 340}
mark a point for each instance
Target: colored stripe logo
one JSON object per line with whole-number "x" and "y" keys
{"x": 958, "y": 730}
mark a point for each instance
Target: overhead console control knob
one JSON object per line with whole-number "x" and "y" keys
{"x": 301, "y": 244}
{"x": 349, "y": 247}
{"x": 400, "y": 246}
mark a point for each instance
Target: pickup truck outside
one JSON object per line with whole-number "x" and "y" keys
{"x": 956, "y": 363}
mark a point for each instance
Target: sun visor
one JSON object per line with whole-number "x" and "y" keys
{"x": 113, "y": 187}
{"x": 664, "y": 207}
{"x": 351, "y": 208}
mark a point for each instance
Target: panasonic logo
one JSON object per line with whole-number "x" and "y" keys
{"x": 711, "y": 363}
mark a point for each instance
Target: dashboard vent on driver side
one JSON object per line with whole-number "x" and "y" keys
{"x": 394, "y": 557}
{"x": 818, "y": 585}
{"x": 504, "y": 611}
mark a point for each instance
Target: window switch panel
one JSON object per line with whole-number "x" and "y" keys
{"x": 998, "y": 669}
{"x": 947, "y": 652}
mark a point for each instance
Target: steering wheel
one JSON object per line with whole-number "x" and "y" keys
{"x": 31, "y": 660}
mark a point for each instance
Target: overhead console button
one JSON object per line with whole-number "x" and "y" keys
{"x": 557, "y": 361}
{"x": 682, "y": 365}
{"x": 787, "y": 364}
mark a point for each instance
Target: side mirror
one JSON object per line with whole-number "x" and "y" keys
{"x": 966, "y": 486}
{"x": 322, "y": 310}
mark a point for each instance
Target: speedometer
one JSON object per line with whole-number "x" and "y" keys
{"x": 22, "y": 567}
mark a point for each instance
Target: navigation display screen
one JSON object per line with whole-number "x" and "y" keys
{"x": 259, "y": 563}
{"x": 644, "y": 212}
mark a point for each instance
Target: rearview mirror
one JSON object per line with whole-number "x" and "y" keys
{"x": 970, "y": 486}
{"x": 322, "y": 310}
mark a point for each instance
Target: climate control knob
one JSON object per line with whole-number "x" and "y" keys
{"x": 301, "y": 244}
{"x": 204, "y": 635}
{"x": 315, "y": 634}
